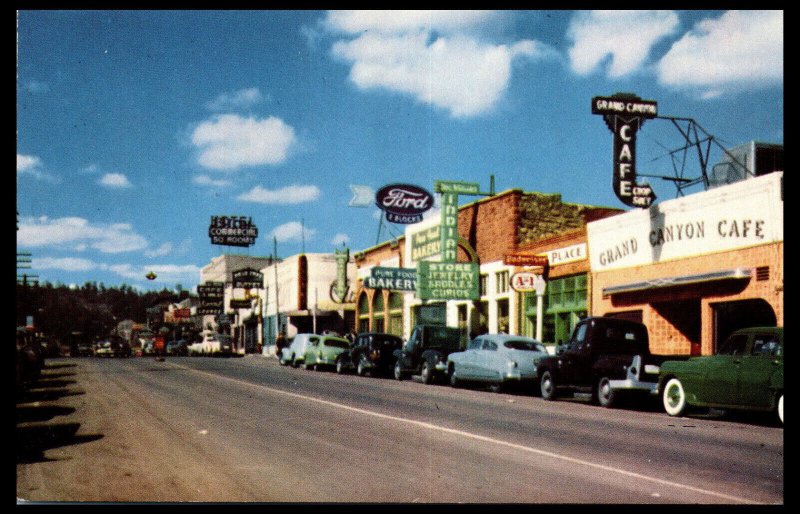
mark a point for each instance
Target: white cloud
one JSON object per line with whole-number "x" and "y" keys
{"x": 33, "y": 166}
{"x": 164, "y": 272}
{"x": 340, "y": 239}
{"x": 739, "y": 51}
{"x": 65, "y": 264}
{"x": 286, "y": 195}
{"x": 625, "y": 36}
{"x": 162, "y": 250}
{"x": 205, "y": 180}
{"x": 236, "y": 100}
{"x": 77, "y": 233}
{"x": 292, "y": 231}
{"x": 229, "y": 141}
{"x": 114, "y": 180}
{"x": 430, "y": 56}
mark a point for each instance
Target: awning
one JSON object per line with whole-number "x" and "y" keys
{"x": 658, "y": 283}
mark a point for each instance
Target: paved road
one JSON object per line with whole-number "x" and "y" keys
{"x": 249, "y": 430}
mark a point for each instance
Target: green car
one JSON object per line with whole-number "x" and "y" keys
{"x": 323, "y": 350}
{"x": 745, "y": 374}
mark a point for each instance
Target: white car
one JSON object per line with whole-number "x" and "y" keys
{"x": 497, "y": 359}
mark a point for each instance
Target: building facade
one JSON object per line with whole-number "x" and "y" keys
{"x": 241, "y": 323}
{"x": 299, "y": 296}
{"x": 490, "y": 229}
{"x": 695, "y": 268}
{"x": 379, "y": 300}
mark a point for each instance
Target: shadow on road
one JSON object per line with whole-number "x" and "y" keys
{"x": 41, "y": 413}
{"x": 33, "y": 441}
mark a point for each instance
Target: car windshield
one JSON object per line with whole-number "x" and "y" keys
{"x": 337, "y": 343}
{"x": 521, "y": 344}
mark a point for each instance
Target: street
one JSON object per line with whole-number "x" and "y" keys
{"x": 249, "y": 430}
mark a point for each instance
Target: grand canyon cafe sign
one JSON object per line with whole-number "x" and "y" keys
{"x": 624, "y": 115}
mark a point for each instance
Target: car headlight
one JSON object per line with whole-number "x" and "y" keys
{"x": 512, "y": 364}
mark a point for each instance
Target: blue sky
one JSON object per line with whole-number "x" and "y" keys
{"x": 135, "y": 127}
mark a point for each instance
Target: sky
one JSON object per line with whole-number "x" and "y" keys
{"x": 134, "y": 128}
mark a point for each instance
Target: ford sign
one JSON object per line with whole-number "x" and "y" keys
{"x": 403, "y": 203}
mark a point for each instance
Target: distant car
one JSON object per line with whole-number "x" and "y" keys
{"x": 425, "y": 353}
{"x": 84, "y": 349}
{"x": 103, "y": 349}
{"x": 498, "y": 360}
{"x": 370, "y": 353}
{"x": 295, "y": 354}
{"x": 745, "y": 374}
{"x": 323, "y": 351}
{"x": 177, "y": 348}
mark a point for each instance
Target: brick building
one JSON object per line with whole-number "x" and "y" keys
{"x": 695, "y": 268}
{"x": 379, "y": 309}
{"x": 488, "y": 230}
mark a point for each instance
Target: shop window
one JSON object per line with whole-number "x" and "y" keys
{"x": 483, "y": 283}
{"x": 501, "y": 278}
{"x": 502, "y": 316}
{"x": 363, "y": 304}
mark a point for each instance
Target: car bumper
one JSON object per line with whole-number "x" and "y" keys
{"x": 632, "y": 384}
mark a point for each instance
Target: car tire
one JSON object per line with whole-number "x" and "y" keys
{"x": 454, "y": 381}
{"x": 605, "y": 394}
{"x": 674, "y": 397}
{"x": 398, "y": 371}
{"x": 548, "y": 386}
{"x": 426, "y": 373}
{"x": 362, "y": 370}
{"x": 780, "y": 407}
{"x": 340, "y": 367}
{"x": 497, "y": 387}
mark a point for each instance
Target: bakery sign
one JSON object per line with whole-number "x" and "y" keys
{"x": 624, "y": 114}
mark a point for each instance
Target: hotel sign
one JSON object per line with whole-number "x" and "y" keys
{"x": 211, "y": 297}
{"x": 624, "y": 115}
{"x": 232, "y": 231}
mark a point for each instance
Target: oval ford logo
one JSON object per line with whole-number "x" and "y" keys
{"x": 403, "y": 203}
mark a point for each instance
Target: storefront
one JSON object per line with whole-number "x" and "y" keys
{"x": 695, "y": 268}
{"x": 381, "y": 285}
{"x": 566, "y": 281}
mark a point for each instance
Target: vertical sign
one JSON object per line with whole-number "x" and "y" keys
{"x": 342, "y": 257}
{"x": 449, "y": 227}
{"x": 624, "y": 115}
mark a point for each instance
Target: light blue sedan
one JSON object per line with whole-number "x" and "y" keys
{"x": 497, "y": 359}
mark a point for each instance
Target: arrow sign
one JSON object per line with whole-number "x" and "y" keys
{"x": 363, "y": 196}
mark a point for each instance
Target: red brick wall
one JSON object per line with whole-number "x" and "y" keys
{"x": 665, "y": 337}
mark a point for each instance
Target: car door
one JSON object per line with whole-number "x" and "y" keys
{"x": 765, "y": 358}
{"x": 487, "y": 361}
{"x": 409, "y": 351}
{"x": 465, "y": 366}
{"x": 721, "y": 382}
{"x": 574, "y": 358}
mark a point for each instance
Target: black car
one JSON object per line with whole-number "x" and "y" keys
{"x": 370, "y": 353}
{"x": 177, "y": 347}
{"x": 425, "y": 353}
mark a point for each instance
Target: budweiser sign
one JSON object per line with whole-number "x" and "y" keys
{"x": 403, "y": 203}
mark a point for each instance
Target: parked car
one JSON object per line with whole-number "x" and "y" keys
{"x": 103, "y": 349}
{"x": 425, "y": 353}
{"x": 745, "y": 374}
{"x": 370, "y": 353}
{"x": 606, "y": 357}
{"x": 295, "y": 353}
{"x": 84, "y": 349}
{"x": 177, "y": 347}
{"x": 323, "y": 351}
{"x": 497, "y": 359}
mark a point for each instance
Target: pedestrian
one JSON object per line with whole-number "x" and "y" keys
{"x": 280, "y": 343}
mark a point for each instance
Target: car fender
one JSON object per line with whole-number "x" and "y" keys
{"x": 432, "y": 357}
{"x": 614, "y": 367}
